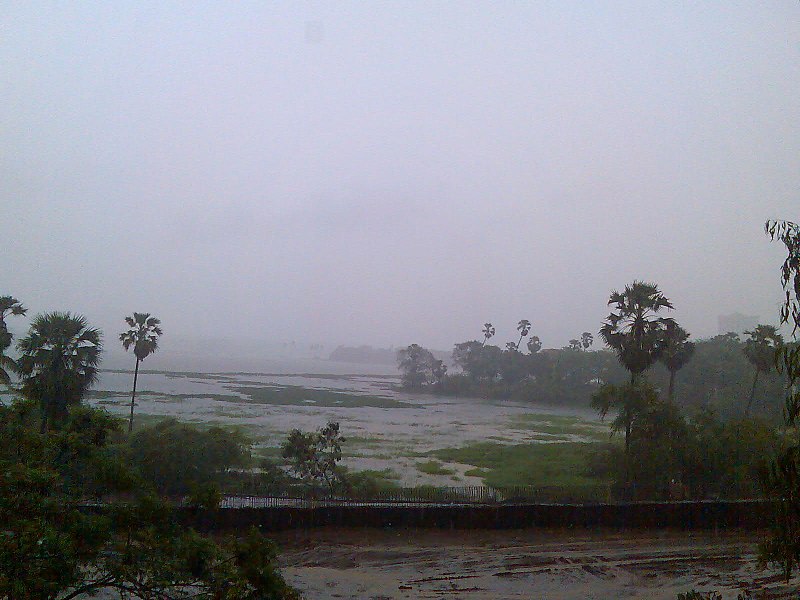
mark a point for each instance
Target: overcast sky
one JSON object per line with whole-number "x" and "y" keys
{"x": 388, "y": 173}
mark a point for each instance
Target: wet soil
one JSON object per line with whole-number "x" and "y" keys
{"x": 558, "y": 564}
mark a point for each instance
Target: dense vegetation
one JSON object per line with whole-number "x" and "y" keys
{"x": 81, "y": 507}
{"x": 718, "y": 376}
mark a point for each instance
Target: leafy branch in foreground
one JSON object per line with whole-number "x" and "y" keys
{"x": 781, "y": 480}
{"x": 61, "y": 538}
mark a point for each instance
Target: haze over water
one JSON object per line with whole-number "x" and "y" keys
{"x": 333, "y": 173}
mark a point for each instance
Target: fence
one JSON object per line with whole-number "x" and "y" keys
{"x": 430, "y": 496}
{"x": 740, "y": 515}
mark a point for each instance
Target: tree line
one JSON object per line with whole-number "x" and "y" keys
{"x": 731, "y": 375}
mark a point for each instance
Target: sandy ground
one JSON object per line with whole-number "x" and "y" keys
{"x": 558, "y": 564}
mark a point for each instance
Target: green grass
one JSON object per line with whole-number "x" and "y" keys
{"x": 560, "y": 464}
{"x": 559, "y": 425}
{"x": 385, "y": 475}
{"x": 433, "y": 467}
{"x": 108, "y": 394}
{"x": 295, "y": 395}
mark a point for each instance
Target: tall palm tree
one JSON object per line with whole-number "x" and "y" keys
{"x": 58, "y": 362}
{"x": 634, "y": 331}
{"x": 761, "y": 348}
{"x": 587, "y": 339}
{"x": 488, "y": 331}
{"x": 534, "y": 344}
{"x": 8, "y": 306}
{"x": 524, "y": 328}
{"x": 676, "y": 352}
{"x": 143, "y": 336}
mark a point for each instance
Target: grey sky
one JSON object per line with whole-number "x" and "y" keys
{"x": 390, "y": 173}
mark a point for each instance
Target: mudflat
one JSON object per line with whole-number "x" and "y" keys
{"x": 535, "y": 563}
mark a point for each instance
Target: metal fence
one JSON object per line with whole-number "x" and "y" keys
{"x": 466, "y": 495}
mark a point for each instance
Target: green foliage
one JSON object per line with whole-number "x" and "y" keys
{"x": 143, "y": 336}
{"x": 55, "y": 546}
{"x": 433, "y": 467}
{"x": 718, "y": 376}
{"x": 58, "y": 362}
{"x": 9, "y": 306}
{"x": 677, "y": 350}
{"x": 781, "y": 479}
{"x": 369, "y": 482}
{"x": 725, "y": 458}
{"x": 631, "y": 402}
{"x": 295, "y": 395}
{"x": 635, "y": 332}
{"x": 417, "y": 366}
{"x": 479, "y": 361}
{"x": 314, "y": 456}
{"x": 559, "y": 464}
{"x": 669, "y": 457}
{"x": 178, "y": 459}
{"x": 761, "y": 349}
{"x": 524, "y": 328}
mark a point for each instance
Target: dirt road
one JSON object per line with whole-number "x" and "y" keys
{"x": 542, "y": 564}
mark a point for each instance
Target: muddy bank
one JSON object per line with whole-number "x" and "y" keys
{"x": 558, "y": 564}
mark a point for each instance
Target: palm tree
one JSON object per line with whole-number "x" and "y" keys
{"x": 8, "y": 306}
{"x": 488, "y": 331}
{"x": 58, "y": 362}
{"x": 676, "y": 352}
{"x": 534, "y": 344}
{"x": 635, "y": 331}
{"x": 524, "y": 328}
{"x": 761, "y": 348}
{"x": 587, "y": 339}
{"x": 143, "y": 336}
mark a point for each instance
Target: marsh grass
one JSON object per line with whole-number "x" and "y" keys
{"x": 433, "y": 467}
{"x": 559, "y": 425}
{"x": 291, "y": 395}
{"x": 561, "y": 464}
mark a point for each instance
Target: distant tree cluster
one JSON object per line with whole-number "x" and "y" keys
{"x": 419, "y": 367}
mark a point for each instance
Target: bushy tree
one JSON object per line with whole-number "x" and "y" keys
{"x": 314, "y": 456}
{"x": 477, "y": 360}
{"x": 631, "y": 401}
{"x": 58, "y": 362}
{"x": 177, "y": 458}
{"x": 53, "y": 548}
{"x": 416, "y": 365}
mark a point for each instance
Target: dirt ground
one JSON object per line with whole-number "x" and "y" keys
{"x": 497, "y": 565}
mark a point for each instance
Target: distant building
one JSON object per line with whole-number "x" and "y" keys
{"x": 737, "y": 323}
